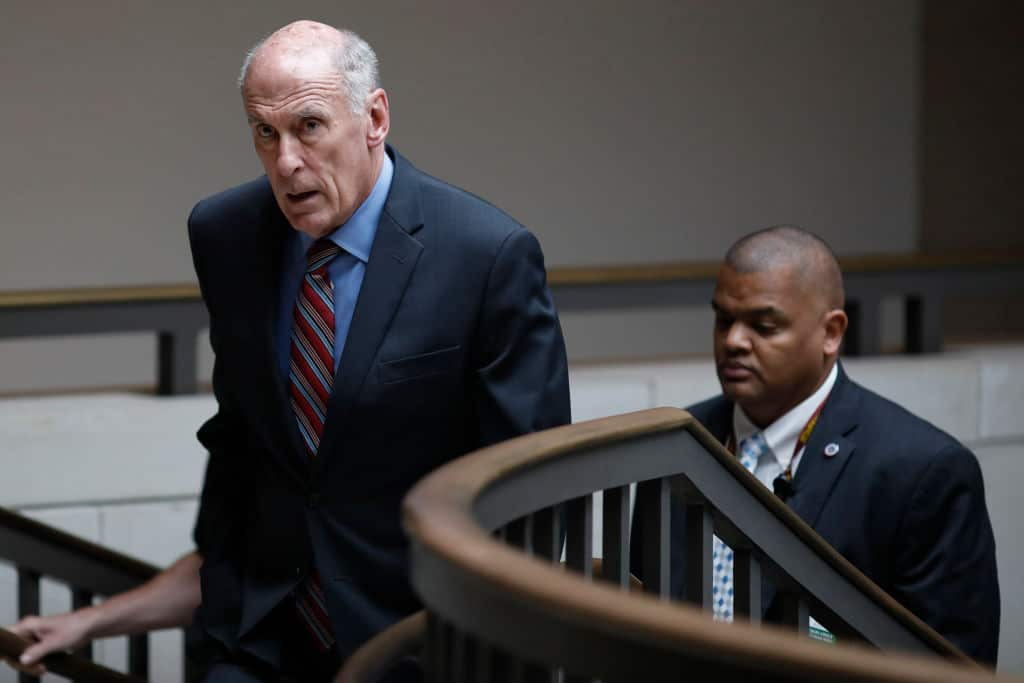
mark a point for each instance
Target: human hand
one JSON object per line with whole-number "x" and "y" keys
{"x": 49, "y": 634}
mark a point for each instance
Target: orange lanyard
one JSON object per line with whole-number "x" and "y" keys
{"x": 805, "y": 436}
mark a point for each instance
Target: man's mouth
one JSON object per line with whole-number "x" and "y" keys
{"x": 734, "y": 372}
{"x": 299, "y": 197}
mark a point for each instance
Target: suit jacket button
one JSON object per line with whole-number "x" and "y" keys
{"x": 313, "y": 499}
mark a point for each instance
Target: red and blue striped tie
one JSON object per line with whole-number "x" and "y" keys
{"x": 311, "y": 379}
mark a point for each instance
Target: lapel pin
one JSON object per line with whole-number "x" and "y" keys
{"x": 831, "y": 450}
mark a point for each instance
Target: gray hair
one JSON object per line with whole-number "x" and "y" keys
{"x": 354, "y": 59}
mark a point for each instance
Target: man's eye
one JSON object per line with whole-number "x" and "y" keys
{"x": 764, "y": 327}
{"x": 310, "y": 125}
{"x": 264, "y": 131}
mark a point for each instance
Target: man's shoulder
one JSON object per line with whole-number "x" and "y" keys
{"x": 883, "y": 420}
{"x": 248, "y": 198}
{"x": 452, "y": 208}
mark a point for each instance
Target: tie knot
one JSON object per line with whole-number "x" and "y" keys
{"x": 320, "y": 254}
{"x": 751, "y": 449}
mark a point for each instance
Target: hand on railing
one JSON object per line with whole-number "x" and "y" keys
{"x": 54, "y": 633}
{"x": 68, "y": 666}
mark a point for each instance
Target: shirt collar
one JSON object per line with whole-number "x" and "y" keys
{"x": 356, "y": 234}
{"x": 782, "y": 435}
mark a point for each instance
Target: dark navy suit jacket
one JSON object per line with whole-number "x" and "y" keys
{"x": 454, "y": 345}
{"x": 901, "y": 500}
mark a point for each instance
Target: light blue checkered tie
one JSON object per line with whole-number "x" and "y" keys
{"x": 750, "y": 451}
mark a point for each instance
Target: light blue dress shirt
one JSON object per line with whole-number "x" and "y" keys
{"x": 346, "y": 271}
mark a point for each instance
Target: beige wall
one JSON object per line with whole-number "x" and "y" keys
{"x": 618, "y": 131}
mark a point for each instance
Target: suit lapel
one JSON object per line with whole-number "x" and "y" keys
{"x": 392, "y": 260}
{"x": 819, "y": 469}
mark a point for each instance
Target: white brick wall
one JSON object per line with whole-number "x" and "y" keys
{"x": 124, "y": 470}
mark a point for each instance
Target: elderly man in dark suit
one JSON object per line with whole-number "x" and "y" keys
{"x": 899, "y": 498}
{"x": 370, "y": 323}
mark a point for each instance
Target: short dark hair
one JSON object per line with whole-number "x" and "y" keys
{"x": 791, "y": 246}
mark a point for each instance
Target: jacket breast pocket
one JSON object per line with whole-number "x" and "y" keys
{"x": 420, "y": 365}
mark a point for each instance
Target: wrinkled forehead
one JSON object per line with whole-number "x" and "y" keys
{"x": 274, "y": 67}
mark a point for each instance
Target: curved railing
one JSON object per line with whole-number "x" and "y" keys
{"x": 486, "y": 530}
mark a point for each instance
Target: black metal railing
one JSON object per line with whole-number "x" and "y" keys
{"x": 89, "y": 570}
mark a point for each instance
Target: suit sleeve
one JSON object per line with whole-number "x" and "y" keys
{"x": 224, "y": 437}
{"x": 219, "y": 505}
{"x": 945, "y": 568}
{"x": 521, "y": 364}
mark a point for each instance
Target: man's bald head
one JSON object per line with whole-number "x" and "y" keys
{"x": 318, "y": 122}
{"x": 351, "y": 56}
{"x": 788, "y": 246}
{"x": 779, "y": 320}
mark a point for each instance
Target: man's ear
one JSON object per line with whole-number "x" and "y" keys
{"x": 835, "y": 327}
{"x": 379, "y": 109}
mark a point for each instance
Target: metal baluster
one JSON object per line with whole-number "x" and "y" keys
{"x": 460, "y": 673}
{"x": 506, "y": 668}
{"x": 547, "y": 533}
{"x": 516, "y": 669}
{"x": 699, "y": 552}
{"x": 923, "y": 315}
{"x": 580, "y": 537}
{"x": 484, "y": 663}
{"x": 430, "y": 657}
{"x": 138, "y": 655}
{"x": 519, "y": 533}
{"x": 82, "y": 598}
{"x": 746, "y": 585}
{"x": 28, "y": 603}
{"x": 794, "y": 611}
{"x": 537, "y": 673}
{"x": 438, "y": 649}
{"x": 615, "y": 536}
{"x": 653, "y": 497}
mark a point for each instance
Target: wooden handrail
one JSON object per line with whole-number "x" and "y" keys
{"x": 440, "y": 516}
{"x": 371, "y": 661}
{"x": 861, "y": 263}
{"x": 47, "y": 541}
{"x": 405, "y": 639}
{"x": 557, "y": 276}
{"x": 64, "y": 664}
{"x": 39, "y": 298}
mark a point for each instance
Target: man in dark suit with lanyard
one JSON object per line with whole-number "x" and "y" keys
{"x": 369, "y": 323}
{"x": 900, "y": 499}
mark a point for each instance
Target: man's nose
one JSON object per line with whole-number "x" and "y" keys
{"x": 736, "y": 338}
{"x": 289, "y": 156}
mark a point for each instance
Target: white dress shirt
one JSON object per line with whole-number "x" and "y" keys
{"x": 783, "y": 434}
{"x": 781, "y": 437}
